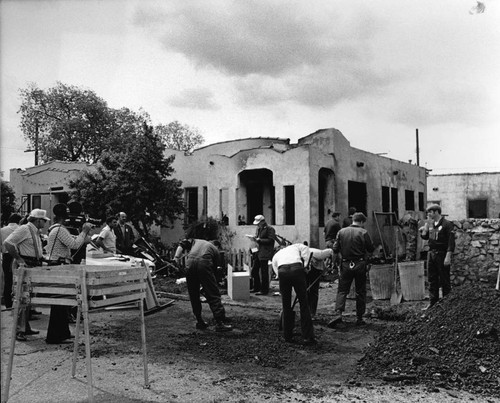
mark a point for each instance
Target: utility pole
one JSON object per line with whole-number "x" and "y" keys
{"x": 29, "y": 150}
{"x": 418, "y": 151}
{"x": 36, "y": 141}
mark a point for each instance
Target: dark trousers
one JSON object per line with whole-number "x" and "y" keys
{"x": 347, "y": 275}
{"x": 313, "y": 286}
{"x": 438, "y": 275}
{"x": 294, "y": 276}
{"x": 58, "y": 329}
{"x": 200, "y": 272}
{"x": 7, "y": 260}
{"x": 260, "y": 275}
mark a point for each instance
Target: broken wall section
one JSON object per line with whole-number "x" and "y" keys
{"x": 477, "y": 251}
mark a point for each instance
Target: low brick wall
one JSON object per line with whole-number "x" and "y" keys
{"x": 477, "y": 252}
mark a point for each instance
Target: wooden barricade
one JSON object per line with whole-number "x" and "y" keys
{"x": 87, "y": 287}
{"x": 239, "y": 259}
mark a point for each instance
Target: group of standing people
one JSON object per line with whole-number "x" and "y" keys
{"x": 116, "y": 236}
{"x": 22, "y": 245}
{"x": 349, "y": 246}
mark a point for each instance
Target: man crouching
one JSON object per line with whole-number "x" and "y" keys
{"x": 288, "y": 264}
{"x": 202, "y": 260}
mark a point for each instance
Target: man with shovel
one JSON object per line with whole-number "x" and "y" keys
{"x": 354, "y": 244}
{"x": 288, "y": 264}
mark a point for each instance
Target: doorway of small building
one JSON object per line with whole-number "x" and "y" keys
{"x": 256, "y": 195}
{"x": 357, "y": 196}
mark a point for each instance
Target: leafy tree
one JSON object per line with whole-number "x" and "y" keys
{"x": 68, "y": 123}
{"x": 136, "y": 181}
{"x": 8, "y": 201}
{"x": 177, "y": 136}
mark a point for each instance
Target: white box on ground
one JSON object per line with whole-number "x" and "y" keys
{"x": 238, "y": 284}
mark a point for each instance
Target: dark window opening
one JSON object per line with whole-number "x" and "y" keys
{"x": 395, "y": 202}
{"x": 191, "y": 200}
{"x": 409, "y": 200}
{"x": 386, "y": 203}
{"x": 421, "y": 201}
{"x": 326, "y": 194}
{"x": 204, "y": 210}
{"x": 36, "y": 202}
{"x": 289, "y": 213}
{"x": 478, "y": 208}
{"x": 224, "y": 205}
{"x": 357, "y": 196}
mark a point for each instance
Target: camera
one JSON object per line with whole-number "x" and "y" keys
{"x": 94, "y": 221}
{"x": 76, "y": 217}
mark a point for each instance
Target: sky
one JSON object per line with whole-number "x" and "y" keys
{"x": 375, "y": 70}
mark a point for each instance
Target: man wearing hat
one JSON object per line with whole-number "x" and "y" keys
{"x": 25, "y": 246}
{"x": 264, "y": 237}
{"x": 355, "y": 245}
{"x": 441, "y": 239}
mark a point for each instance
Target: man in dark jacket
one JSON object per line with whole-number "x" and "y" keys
{"x": 441, "y": 239}
{"x": 355, "y": 245}
{"x": 124, "y": 235}
{"x": 264, "y": 237}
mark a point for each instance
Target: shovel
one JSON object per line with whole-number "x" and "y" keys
{"x": 396, "y": 295}
{"x": 498, "y": 280}
{"x": 280, "y": 325}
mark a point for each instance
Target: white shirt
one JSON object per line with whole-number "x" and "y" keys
{"x": 108, "y": 239}
{"x": 6, "y": 231}
{"x": 296, "y": 253}
{"x": 23, "y": 237}
{"x": 319, "y": 255}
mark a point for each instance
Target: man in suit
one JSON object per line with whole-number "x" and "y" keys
{"x": 124, "y": 235}
{"x": 264, "y": 237}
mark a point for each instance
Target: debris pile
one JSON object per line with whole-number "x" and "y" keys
{"x": 455, "y": 344}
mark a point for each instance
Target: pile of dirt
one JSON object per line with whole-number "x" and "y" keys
{"x": 455, "y": 344}
{"x": 169, "y": 285}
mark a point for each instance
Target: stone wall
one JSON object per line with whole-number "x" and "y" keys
{"x": 477, "y": 252}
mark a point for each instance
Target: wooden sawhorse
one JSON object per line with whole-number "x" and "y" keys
{"x": 87, "y": 287}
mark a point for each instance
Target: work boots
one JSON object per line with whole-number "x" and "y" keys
{"x": 222, "y": 327}
{"x": 201, "y": 324}
{"x": 336, "y": 320}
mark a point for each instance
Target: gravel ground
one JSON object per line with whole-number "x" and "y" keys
{"x": 252, "y": 363}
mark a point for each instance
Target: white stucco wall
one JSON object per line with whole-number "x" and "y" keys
{"x": 453, "y": 192}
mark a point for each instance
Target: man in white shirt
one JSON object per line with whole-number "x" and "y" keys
{"x": 107, "y": 238}
{"x": 25, "y": 246}
{"x": 288, "y": 264}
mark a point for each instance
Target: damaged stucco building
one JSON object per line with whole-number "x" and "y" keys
{"x": 294, "y": 186}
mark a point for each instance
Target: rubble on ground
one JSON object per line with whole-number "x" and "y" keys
{"x": 455, "y": 344}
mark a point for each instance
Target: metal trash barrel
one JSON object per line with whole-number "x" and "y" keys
{"x": 381, "y": 281}
{"x": 412, "y": 280}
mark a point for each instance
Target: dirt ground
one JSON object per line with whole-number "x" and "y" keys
{"x": 250, "y": 364}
